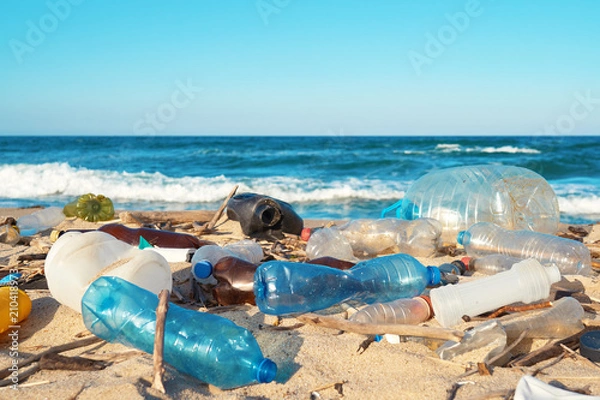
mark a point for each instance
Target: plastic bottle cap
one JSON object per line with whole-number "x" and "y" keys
{"x": 266, "y": 371}
{"x": 466, "y": 261}
{"x": 460, "y": 237}
{"x": 589, "y": 345}
{"x": 305, "y": 234}
{"x": 202, "y": 270}
{"x": 435, "y": 275}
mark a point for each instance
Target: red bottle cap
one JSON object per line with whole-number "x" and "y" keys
{"x": 466, "y": 261}
{"x": 305, "y": 234}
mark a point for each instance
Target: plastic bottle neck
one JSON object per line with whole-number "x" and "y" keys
{"x": 434, "y": 276}
{"x": 266, "y": 371}
{"x": 202, "y": 270}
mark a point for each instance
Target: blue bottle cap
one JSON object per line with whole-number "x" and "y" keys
{"x": 460, "y": 238}
{"x": 589, "y": 345}
{"x": 202, "y": 270}
{"x": 266, "y": 371}
{"x": 435, "y": 276}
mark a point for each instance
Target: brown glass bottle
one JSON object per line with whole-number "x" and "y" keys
{"x": 235, "y": 281}
{"x": 155, "y": 237}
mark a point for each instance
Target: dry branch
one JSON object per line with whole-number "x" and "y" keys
{"x": 159, "y": 340}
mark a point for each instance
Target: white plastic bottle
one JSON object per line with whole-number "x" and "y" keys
{"x": 76, "y": 259}
{"x": 570, "y": 256}
{"x": 40, "y": 220}
{"x": 527, "y": 281}
{"x": 206, "y": 257}
{"x": 509, "y": 196}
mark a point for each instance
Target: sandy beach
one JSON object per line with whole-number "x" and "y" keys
{"x": 313, "y": 361}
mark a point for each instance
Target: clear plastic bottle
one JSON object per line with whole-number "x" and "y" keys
{"x": 571, "y": 257}
{"x": 561, "y": 320}
{"x": 206, "y": 257}
{"x": 509, "y": 196}
{"x": 527, "y": 281}
{"x": 40, "y": 220}
{"x": 368, "y": 238}
{"x": 283, "y": 287}
{"x": 401, "y": 311}
{"x": 76, "y": 259}
{"x": 490, "y": 264}
{"x": 206, "y": 346}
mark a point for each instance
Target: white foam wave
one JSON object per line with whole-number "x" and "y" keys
{"x": 454, "y": 148}
{"x": 60, "y": 180}
{"x": 448, "y": 147}
{"x": 574, "y": 205}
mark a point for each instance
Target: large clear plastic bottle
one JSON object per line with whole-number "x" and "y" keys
{"x": 40, "y": 220}
{"x": 401, "y": 311}
{"x": 509, "y": 196}
{"x": 206, "y": 346}
{"x": 206, "y": 257}
{"x": 283, "y": 287}
{"x": 527, "y": 281}
{"x": 76, "y": 259}
{"x": 571, "y": 257}
{"x": 368, "y": 238}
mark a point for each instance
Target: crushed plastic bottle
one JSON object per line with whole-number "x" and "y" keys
{"x": 401, "y": 311}
{"x": 283, "y": 287}
{"x": 511, "y": 197}
{"x": 76, "y": 259}
{"x": 206, "y": 346}
{"x": 527, "y": 281}
{"x": 206, "y": 257}
{"x": 40, "y": 220}
{"x": 368, "y": 238}
{"x": 571, "y": 257}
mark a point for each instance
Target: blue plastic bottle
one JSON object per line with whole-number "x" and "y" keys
{"x": 206, "y": 346}
{"x": 283, "y": 287}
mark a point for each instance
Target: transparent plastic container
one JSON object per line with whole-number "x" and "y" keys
{"x": 40, "y": 220}
{"x": 509, "y": 196}
{"x": 490, "y": 264}
{"x": 368, "y": 238}
{"x": 283, "y": 287}
{"x": 570, "y": 256}
{"x": 206, "y": 346}
{"x": 76, "y": 259}
{"x": 559, "y": 321}
{"x": 527, "y": 281}
{"x": 401, "y": 311}
{"x": 206, "y": 257}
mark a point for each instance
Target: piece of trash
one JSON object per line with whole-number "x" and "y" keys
{"x": 206, "y": 257}
{"x": 526, "y": 281}
{"x": 91, "y": 207}
{"x": 41, "y": 220}
{"x": 401, "y": 311}
{"x": 206, "y": 346}
{"x": 284, "y": 287}
{"x": 15, "y": 306}
{"x": 510, "y": 196}
{"x": 263, "y": 216}
{"x": 76, "y": 259}
{"x": 530, "y": 388}
{"x": 484, "y": 238}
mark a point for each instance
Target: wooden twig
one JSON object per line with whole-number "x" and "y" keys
{"x": 175, "y": 217}
{"x": 550, "y": 350}
{"x": 159, "y": 340}
{"x": 211, "y": 224}
{"x": 524, "y": 307}
{"x": 56, "y": 349}
{"x": 56, "y": 361}
{"x": 377, "y": 329}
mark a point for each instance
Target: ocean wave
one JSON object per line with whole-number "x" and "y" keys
{"x": 454, "y": 148}
{"x": 576, "y": 205}
{"x": 53, "y": 181}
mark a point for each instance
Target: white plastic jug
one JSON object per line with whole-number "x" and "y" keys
{"x": 77, "y": 259}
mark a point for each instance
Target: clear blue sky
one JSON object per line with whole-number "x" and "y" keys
{"x": 299, "y": 67}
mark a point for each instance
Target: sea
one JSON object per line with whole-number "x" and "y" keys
{"x": 322, "y": 177}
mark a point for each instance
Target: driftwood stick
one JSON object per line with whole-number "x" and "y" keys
{"x": 56, "y": 349}
{"x": 376, "y": 329}
{"x": 175, "y": 217}
{"x": 211, "y": 224}
{"x": 159, "y": 340}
